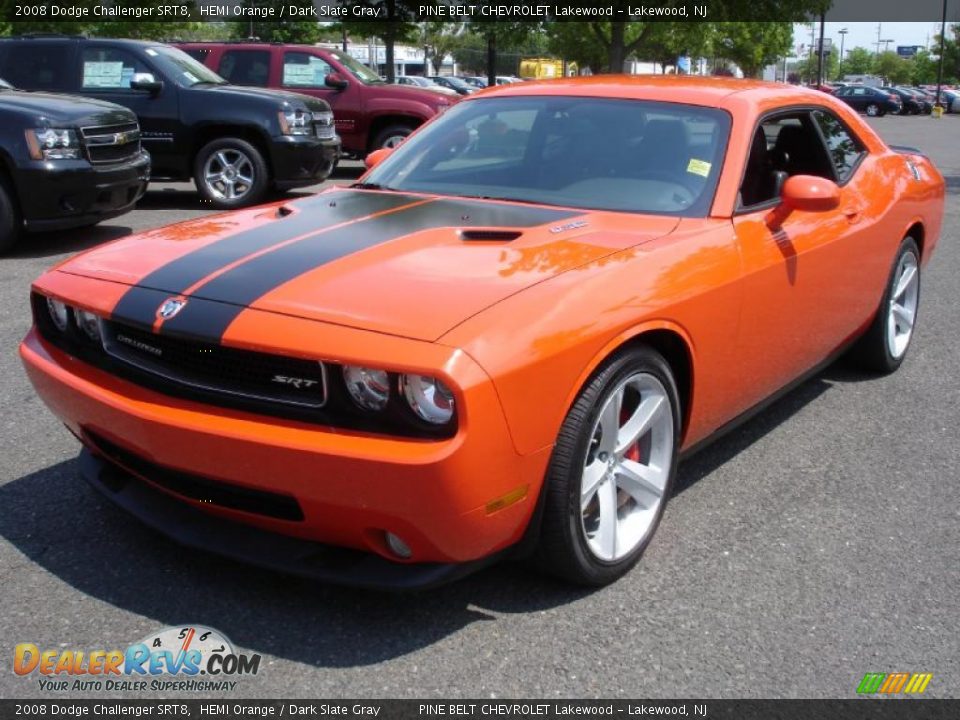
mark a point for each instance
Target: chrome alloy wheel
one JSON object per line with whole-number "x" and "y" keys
{"x": 902, "y": 313}
{"x": 228, "y": 174}
{"x": 626, "y": 467}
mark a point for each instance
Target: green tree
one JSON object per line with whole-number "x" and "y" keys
{"x": 298, "y": 31}
{"x": 752, "y": 45}
{"x": 951, "y": 54}
{"x": 923, "y": 68}
{"x": 894, "y": 68}
{"x": 808, "y": 65}
{"x": 502, "y": 37}
{"x": 400, "y": 27}
{"x": 858, "y": 61}
{"x": 439, "y": 39}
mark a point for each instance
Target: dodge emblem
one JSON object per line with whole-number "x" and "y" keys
{"x": 170, "y": 307}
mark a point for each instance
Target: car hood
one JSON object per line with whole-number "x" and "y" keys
{"x": 269, "y": 95}
{"x": 408, "y": 265}
{"x": 51, "y": 109}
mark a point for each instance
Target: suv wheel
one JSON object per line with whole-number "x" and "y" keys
{"x": 230, "y": 173}
{"x": 9, "y": 219}
{"x": 391, "y": 136}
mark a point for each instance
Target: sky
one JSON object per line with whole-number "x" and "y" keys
{"x": 864, "y": 34}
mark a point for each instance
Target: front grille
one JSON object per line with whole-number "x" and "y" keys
{"x": 111, "y": 143}
{"x": 198, "y": 487}
{"x": 260, "y": 376}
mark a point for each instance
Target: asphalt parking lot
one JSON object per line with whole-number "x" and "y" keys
{"x": 818, "y": 542}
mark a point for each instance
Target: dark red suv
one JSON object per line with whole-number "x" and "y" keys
{"x": 369, "y": 113}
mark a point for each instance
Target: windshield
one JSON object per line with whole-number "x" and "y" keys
{"x": 182, "y": 68}
{"x": 356, "y": 68}
{"x": 458, "y": 83}
{"x": 623, "y": 155}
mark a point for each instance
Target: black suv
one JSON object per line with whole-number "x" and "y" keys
{"x": 235, "y": 142}
{"x": 65, "y": 162}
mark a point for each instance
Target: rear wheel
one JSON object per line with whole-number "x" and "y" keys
{"x": 611, "y": 471}
{"x": 230, "y": 173}
{"x": 10, "y": 224}
{"x": 884, "y": 346}
{"x": 873, "y": 110}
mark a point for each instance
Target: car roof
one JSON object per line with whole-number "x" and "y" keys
{"x": 40, "y": 38}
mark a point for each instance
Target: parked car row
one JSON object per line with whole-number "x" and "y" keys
{"x": 878, "y": 101}
{"x": 88, "y": 122}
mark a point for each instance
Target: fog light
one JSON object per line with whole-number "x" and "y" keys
{"x": 397, "y": 546}
{"x": 90, "y": 324}
{"x": 58, "y": 313}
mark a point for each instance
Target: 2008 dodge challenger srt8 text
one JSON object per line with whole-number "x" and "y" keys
{"x": 500, "y": 340}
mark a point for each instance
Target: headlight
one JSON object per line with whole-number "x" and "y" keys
{"x": 53, "y": 144}
{"x": 429, "y": 398}
{"x": 296, "y": 122}
{"x": 58, "y": 314}
{"x": 369, "y": 388}
{"x": 90, "y": 324}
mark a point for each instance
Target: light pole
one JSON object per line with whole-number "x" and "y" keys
{"x": 943, "y": 33}
{"x": 820, "y": 58}
{"x": 843, "y": 36}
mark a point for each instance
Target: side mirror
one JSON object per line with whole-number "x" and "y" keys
{"x": 335, "y": 80}
{"x": 377, "y": 157}
{"x": 147, "y": 82}
{"x": 809, "y": 193}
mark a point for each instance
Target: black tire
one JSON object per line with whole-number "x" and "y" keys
{"x": 872, "y": 352}
{"x": 10, "y": 222}
{"x": 389, "y": 135}
{"x": 251, "y": 174}
{"x": 563, "y": 548}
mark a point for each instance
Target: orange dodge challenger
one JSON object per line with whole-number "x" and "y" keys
{"x": 500, "y": 340}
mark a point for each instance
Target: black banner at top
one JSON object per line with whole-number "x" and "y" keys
{"x": 477, "y": 10}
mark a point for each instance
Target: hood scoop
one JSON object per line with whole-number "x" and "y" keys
{"x": 489, "y": 235}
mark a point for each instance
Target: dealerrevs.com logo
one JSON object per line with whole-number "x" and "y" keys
{"x": 181, "y": 658}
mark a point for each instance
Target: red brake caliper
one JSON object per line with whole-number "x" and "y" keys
{"x": 633, "y": 453}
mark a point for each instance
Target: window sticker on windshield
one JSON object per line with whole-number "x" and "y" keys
{"x": 151, "y": 52}
{"x": 190, "y": 76}
{"x": 103, "y": 75}
{"x": 298, "y": 75}
{"x": 698, "y": 167}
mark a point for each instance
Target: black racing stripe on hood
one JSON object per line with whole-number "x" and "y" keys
{"x": 314, "y": 214}
{"x": 246, "y": 283}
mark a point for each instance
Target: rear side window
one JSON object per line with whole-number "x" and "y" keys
{"x": 844, "y": 148}
{"x": 36, "y": 65}
{"x": 301, "y": 69}
{"x": 246, "y": 67}
{"x": 108, "y": 68}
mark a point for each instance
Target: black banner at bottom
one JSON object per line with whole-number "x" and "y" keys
{"x": 858, "y": 709}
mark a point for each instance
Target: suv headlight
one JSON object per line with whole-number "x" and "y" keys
{"x": 296, "y": 122}
{"x": 53, "y": 144}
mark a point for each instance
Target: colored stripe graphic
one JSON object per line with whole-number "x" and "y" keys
{"x": 217, "y": 302}
{"x": 893, "y": 683}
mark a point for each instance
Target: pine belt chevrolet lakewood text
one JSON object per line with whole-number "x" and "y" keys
{"x": 499, "y": 340}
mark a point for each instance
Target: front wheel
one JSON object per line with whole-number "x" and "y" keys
{"x": 611, "y": 471}
{"x": 884, "y": 345}
{"x": 391, "y": 137}
{"x": 9, "y": 219}
{"x": 230, "y": 173}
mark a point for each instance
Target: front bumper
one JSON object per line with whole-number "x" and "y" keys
{"x": 194, "y": 529}
{"x": 56, "y": 195}
{"x": 299, "y": 160}
{"x": 350, "y": 487}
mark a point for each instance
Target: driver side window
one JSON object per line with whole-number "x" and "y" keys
{"x": 782, "y": 146}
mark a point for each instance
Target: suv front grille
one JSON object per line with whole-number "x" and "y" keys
{"x": 323, "y": 125}
{"x": 111, "y": 143}
{"x": 259, "y": 376}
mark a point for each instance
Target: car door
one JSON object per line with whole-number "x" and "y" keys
{"x": 105, "y": 73}
{"x": 809, "y": 276}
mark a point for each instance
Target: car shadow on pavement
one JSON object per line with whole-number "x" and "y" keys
{"x": 127, "y": 565}
{"x": 46, "y": 244}
{"x": 69, "y": 531}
